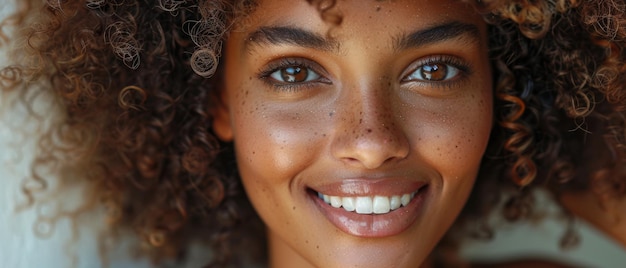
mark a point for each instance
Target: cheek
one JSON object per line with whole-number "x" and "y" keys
{"x": 454, "y": 138}
{"x": 454, "y": 148}
{"x": 469, "y": 138}
{"x": 273, "y": 143}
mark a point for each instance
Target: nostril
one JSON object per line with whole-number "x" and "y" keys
{"x": 370, "y": 147}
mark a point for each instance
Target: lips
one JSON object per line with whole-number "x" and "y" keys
{"x": 366, "y": 208}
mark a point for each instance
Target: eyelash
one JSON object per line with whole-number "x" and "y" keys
{"x": 265, "y": 75}
{"x": 272, "y": 67}
{"x": 463, "y": 68}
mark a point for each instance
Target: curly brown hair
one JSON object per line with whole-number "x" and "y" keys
{"x": 137, "y": 82}
{"x": 560, "y": 100}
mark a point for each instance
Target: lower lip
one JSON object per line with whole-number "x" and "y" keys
{"x": 373, "y": 225}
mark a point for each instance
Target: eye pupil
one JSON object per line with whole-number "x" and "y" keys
{"x": 294, "y": 74}
{"x": 434, "y": 72}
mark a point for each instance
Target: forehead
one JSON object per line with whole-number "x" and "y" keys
{"x": 375, "y": 16}
{"x": 394, "y": 25}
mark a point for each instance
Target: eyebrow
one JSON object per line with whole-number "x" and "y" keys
{"x": 435, "y": 34}
{"x": 285, "y": 35}
{"x": 281, "y": 35}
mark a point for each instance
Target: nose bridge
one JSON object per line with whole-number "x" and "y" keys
{"x": 368, "y": 134}
{"x": 374, "y": 111}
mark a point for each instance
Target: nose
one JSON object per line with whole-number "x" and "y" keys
{"x": 367, "y": 132}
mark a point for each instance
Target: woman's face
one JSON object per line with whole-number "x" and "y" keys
{"x": 357, "y": 143}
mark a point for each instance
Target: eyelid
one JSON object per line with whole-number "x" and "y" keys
{"x": 462, "y": 66}
{"x": 281, "y": 63}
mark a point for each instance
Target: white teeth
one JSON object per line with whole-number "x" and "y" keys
{"x": 348, "y": 203}
{"x": 394, "y": 202}
{"x": 363, "y": 205}
{"x": 381, "y": 204}
{"x": 368, "y": 204}
{"x": 405, "y": 199}
{"x": 335, "y": 201}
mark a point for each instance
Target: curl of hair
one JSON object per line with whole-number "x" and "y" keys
{"x": 139, "y": 122}
{"x": 560, "y": 77}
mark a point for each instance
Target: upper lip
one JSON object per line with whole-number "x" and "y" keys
{"x": 386, "y": 186}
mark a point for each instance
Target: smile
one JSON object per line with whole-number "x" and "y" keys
{"x": 368, "y": 204}
{"x": 371, "y": 208}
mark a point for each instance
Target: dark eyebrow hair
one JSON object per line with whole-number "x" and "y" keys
{"x": 437, "y": 33}
{"x": 279, "y": 35}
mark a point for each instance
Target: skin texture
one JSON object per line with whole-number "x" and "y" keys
{"x": 364, "y": 119}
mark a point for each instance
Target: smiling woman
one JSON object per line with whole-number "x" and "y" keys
{"x": 360, "y": 114}
{"x": 355, "y": 130}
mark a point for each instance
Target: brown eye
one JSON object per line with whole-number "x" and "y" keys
{"x": 294, "y": 74}
{"x": 435, "y": 72}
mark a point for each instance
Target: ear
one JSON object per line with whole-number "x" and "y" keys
{"x": 222, "y": 126}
